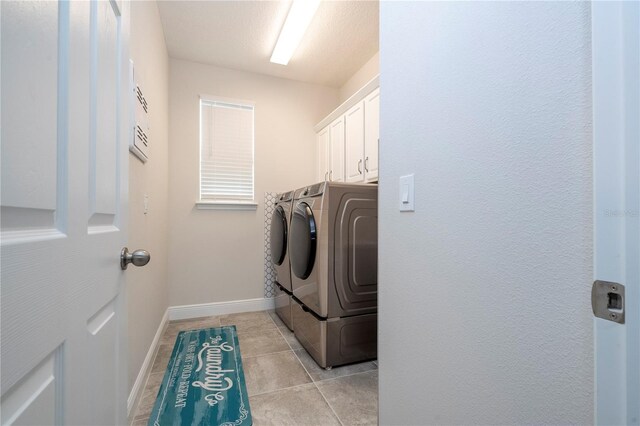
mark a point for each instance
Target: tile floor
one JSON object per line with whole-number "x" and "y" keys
{"x": 285, "y": 385}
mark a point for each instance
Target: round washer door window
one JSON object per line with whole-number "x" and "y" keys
{"x": 278, "y": 236}
{"x": 303, "y": 241}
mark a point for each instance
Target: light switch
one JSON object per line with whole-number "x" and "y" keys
{"x": 406, "y": 193}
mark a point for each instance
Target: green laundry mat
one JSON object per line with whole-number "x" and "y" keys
{"x": 204, "y": 382}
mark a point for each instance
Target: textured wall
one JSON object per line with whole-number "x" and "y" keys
{"x": 218, "y": 255}
{"x": 147, "y": 287}
{"x": 484, "y": 298}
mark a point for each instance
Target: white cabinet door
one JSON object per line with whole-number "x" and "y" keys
{"x": 336, "y": 166}
{"x": 354, "y": 140}
{"x": 65, "y": 130}
{"x": 323, "y": 154}
{"x": 371, "y": 135}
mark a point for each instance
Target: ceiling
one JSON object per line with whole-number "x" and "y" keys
{"x": 241, "y": 35}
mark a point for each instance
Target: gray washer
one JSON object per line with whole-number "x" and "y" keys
{"x": 280, "y": 256}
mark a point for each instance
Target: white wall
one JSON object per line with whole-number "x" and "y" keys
{"x": 147, "y": 289}
{"x": 217, "y": 255}
{"x": 484, "y": 299}
{"x": 366, "y": 73}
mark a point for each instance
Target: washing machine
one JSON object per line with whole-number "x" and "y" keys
{"x": 333, "y": 249}
{"x": 280, "y": 256}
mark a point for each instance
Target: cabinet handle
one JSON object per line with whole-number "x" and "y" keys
{"x": 359, "y": 168}
{"x": 325, "y": 176}
{"x": 366, "y": 161}
{"x": 330, "y": 175}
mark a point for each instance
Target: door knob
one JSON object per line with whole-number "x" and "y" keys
{"x": 138, "y": 258}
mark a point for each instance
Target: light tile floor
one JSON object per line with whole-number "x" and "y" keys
{"x": 285, "y": 385}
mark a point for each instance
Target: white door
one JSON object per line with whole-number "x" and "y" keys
{"x": 371, "y": 135}
{"x": 323, "y": 154}
{"x": 616, "y": 114}
{"x": 65, "y": 83}
{"x": 354, "y": 142}
{"x": 336, "y": 168}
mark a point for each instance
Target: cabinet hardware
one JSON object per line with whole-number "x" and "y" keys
{"x": 359, "y": 166}
{"x": 366, "y": 167}
{"x": 331, "y": 176}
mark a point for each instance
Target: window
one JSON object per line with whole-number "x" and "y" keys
{"x": 226, "y": 153}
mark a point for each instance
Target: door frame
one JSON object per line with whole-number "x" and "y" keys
{"x": 616, "y": 170}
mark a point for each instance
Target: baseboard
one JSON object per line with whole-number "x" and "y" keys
{"x": 143, "y": 374}
{"x": 186, "y": 312}
{"x": 219, "y": 308}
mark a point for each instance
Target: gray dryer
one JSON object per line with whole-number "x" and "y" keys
{"x": 333, "y": 247}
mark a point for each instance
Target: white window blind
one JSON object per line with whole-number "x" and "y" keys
{"x": 226, "y": 151}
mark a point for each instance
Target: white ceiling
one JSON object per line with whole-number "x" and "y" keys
{"x": 241, "y": 35}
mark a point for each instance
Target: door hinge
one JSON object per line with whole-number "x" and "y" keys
{"x": 607, "y": 300}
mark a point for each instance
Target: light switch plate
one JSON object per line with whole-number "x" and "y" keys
{"x": 406, "y": 193}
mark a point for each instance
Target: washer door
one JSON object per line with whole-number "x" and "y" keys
{"x": 303, "y": 241}
{"x": 278, "y": 236}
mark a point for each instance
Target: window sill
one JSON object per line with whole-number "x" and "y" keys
{"x": 225, "y": 205}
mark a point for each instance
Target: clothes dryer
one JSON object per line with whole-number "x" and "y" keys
{"x": 333, "y": 247}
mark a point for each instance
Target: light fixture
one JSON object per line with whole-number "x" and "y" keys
{"x": 298, "y": 19}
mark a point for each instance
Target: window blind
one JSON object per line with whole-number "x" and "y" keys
{"x": 226, "y": 151}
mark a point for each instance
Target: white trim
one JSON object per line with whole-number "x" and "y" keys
{"x": 346, "y": 105}
{"x": 225, "y": 205}
{"x": 213, "y": 98}
{"x": 615, "y": 104}
{"x": 219, "y": 308}
{"x": 145, "y": 369}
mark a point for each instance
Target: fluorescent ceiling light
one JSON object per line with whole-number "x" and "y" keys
{"x": 298, "y": 19}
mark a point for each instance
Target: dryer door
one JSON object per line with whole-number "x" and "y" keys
{"x": 303, "y": 241}
{"x": 278, "y": 236}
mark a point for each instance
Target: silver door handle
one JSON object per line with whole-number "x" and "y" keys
{"x": 359, "y": 163}
{"x": 138, "y": 258}
{"x": 325, "y": 175}
{"x": 366, "y": 161}
{"x": 330, "y": 175}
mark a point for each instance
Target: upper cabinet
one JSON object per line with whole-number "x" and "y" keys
{"x": 336, "y": 148}
{"x": 323, "y": 154}
{"x": 331, "y": 152}
{"x": 354, "y": 120}
{"x": 371, "y": 135}
{"x": 348, "y": 138}
{"x": 362, "y": 128}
